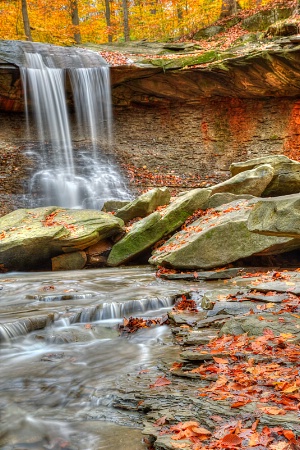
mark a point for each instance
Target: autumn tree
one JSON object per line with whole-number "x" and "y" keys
{"x": 26, "y": 20}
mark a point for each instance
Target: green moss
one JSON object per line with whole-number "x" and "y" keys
{"x": 185, "y": 61}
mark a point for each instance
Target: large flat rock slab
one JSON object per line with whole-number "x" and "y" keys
{"x": 31, "y": 237}
{"x": 278, "y": 216}
{"x": 218, "y": 238}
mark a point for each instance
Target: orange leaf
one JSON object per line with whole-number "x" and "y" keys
{"x": 273, "y": 410}
{"x": 239, "y": 404}
{"x": 161, "y": 381}
{"x": 289, "y": 435}
{"x": 221, "y": 360}
{"x": 201, "y": 431}
{"x": 175, "y": 366}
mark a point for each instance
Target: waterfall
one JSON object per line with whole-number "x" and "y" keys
{"x": 71, "y": 177}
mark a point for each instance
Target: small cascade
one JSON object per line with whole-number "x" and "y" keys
{"x": 118, "y": 310}
{"x": 68, "y": 175}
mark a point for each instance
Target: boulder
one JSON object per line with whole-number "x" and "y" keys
{"x": 145, "y": 204}
{"x": 251, "y": 182}
{"x": 263, "y": 19}
{"x": 29, "y": 238}
{"x": 154, "y": 227}
{"x": 218, "y": 238}
{"x": 273, "y": 160}
{"x": 69, "y": 261}
{"x": 277, "y": 216}
{"x": 114, "y": 205}
{"x": 225, "y": 197}
{"x": 286, "y": 178}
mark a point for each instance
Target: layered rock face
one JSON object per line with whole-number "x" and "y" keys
{"x": 179, "y": 122}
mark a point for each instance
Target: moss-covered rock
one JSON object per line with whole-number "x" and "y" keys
{"x": 144, "y": 204}
{"x": 154, "y": 227}
{"x": 31, "y": 237}
{"x": 263, "y": 19}
{"x": 218, "y": 238}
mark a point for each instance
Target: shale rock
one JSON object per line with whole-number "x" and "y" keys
{"x": 29, "y": 238}
{"x": 145, "y": 204}
{"x": 279, "y": 216}
{"x": 252, "y": 182}
{"x": 69, "y": 261}
{"x": 152, "y": 228}
{"x": 218, "y": 238}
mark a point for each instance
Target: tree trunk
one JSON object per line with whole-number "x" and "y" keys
{"x": 75, "y": 20}
{"x": 108, "y": 20}
{"x": 229, "y": 7}
{"x": 126, "y": 21}
{"x": 26, "y": 20}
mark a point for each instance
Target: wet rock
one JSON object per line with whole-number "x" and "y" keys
{"x": 186, "y": 318}
{"x": 145, "y": 204}
{"x": 255, "y": 326}
{"x": 279, "y": 216}
{"x": 69, "y": 261}
{"x": 218, "y": 238}
{"x": 223, "y": 274}
{"x": 235, "y": 308}
{"x": 251, "y": 182}
{"x": 217, "y": 295}
{"x": 152, "y": 228}
{"x": 21, "y": 327}
{"x": 31, "y": 237}
{"x": 278, "y": 286}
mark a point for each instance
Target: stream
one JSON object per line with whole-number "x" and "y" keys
{"x": 62, "y": 358}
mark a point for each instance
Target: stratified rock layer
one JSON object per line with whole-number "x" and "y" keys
{"x": 31, "y": 237}
{"x": 218, "y": 238}
{"x": 278, "y": 216}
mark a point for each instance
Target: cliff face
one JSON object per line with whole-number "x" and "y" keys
{"x": 182, "y": 121}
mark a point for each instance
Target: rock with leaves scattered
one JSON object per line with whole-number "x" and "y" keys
{"x": 29, "y": 238}
{"x": 218, "y": 238}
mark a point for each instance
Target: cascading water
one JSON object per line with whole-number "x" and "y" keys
{"x": 68, "y": 177}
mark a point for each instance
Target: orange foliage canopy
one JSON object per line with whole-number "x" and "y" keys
{"x": 51, "y": 21}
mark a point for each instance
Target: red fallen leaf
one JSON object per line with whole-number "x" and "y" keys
{"x": 161, "y": 381}
{"x": 231, "y": 440}
{"x": 289, "y": 435}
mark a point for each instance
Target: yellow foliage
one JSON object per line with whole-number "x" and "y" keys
{"x": 50, "y": 20}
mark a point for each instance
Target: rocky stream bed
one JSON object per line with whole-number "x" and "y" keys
{"x": 222, "y": 372}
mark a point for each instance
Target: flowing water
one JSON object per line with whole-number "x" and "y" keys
{"x": 74, "y": 178}
{"x": 62, "y": 358}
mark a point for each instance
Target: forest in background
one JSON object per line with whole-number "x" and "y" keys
{"x": 67, "y": 22}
